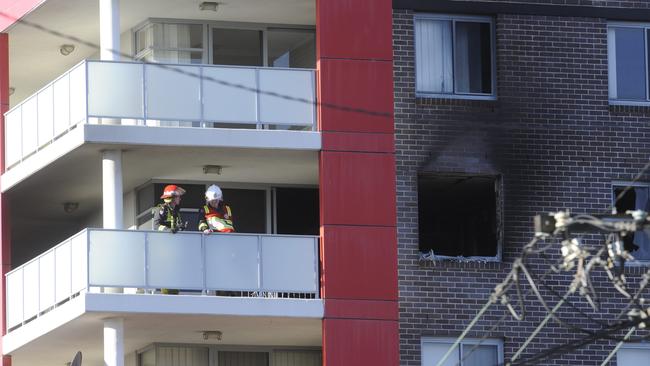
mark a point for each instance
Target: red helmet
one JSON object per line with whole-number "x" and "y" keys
{"x": 172, "y": 190}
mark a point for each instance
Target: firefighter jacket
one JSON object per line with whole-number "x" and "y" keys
{"x": 167, "y": 218}
{"x": 219, "y": 219}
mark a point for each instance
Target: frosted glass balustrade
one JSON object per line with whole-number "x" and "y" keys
{"x": 109, "y": 250}
{"x": 45, "y": 116}
{"x": 47, "y": 285}
{"x": 175, "y": 261}
{"x": 62, "y": 271}
{"x": 31, "y": 293}
{"x": 12, "y": 137}
{"x": 229, "y": 94}
{"x": 155, "y": 260}
{"x": 287, "y": 264}
{"x": 61, "y": 90}
{"x": 173, "y": 92}
{"x": 232, "y": 262}
{"x": 161, "y": 94}
{"x": 29, "y": 126}
{"x": 115, "y": 89}
{"x": 286, "y": 97}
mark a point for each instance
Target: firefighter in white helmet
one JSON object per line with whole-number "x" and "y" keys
{"x": 217, "y": 216}
{"x": 166, "y": 216}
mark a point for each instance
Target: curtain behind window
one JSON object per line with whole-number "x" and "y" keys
{"x": 182, "y": 356}
{"x": 297, "y": 358}
{"x": 434, "y": 56}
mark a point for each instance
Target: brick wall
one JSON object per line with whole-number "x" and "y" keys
{"x": 556, "y": 143}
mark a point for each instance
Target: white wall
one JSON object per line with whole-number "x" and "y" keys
{"x": 129, "y": 210}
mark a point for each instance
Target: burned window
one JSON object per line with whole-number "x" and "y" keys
{"x": 459, "y": 215}
{"x": 634, "y": 198}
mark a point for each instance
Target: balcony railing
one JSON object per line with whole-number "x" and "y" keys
{"x": 192, "y": 262}
{"x": 136, "y": 93}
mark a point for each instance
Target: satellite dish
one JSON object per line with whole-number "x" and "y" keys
{"x": 76, "y": 361}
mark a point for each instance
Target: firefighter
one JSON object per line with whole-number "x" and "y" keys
{"x": 166, "y": 215}
{"x": 217, "y": 216}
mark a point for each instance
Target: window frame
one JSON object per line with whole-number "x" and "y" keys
{"x": 611, "y": 63}
{"x": 623, "y": 184}
{"x": 465, "y": 342}
{"x": 454, "y": 18}
{"x": 636, "y": 345}
{"x": 499, "y": 215}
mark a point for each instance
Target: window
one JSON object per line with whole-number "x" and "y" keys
{"x": 257, "y": 210}
{"x": 469, "y": 353}
{"x": 627, "y": 48}
{"x": 632, "y": 354}
{"x": 205, "y": 355}
{"x": 459, "y": 216}
{"x": 454, "y": 56}
{"x": 636, "y": 198}
{"x": 225, "y": 44}
{"x": 170, "y": 43}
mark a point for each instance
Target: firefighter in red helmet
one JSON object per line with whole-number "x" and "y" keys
{"x": 166, "y": 216}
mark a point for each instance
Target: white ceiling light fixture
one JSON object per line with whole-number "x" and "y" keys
{"x": 66, "y": 49}
{"x": 212, "y": 334}
{"x": 70, "y": 207}
{"x": 209, "y": 6}
{"x": 212, "y": 169}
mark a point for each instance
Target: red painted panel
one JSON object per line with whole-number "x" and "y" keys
{"x": 361, "y": 142}
{"x": 12, "y": 10}
{"x": 357, "y": 189}
{"x": 360, "y": 342}
{"x": 359, "y": 262}
{"x": 356, "y": 96}
{"x": 361, "y": 309}
{"x": 354, "y": 29}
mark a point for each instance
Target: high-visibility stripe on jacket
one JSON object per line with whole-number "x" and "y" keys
{"x": 219, "y": 219}
{"x": 166, "y": 218}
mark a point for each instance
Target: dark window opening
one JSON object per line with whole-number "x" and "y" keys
{"x": 248, "y": 209}
{"x": 635, "y": 198}
{"x": 297, "y": 211}
{"x": 458, "y": 215}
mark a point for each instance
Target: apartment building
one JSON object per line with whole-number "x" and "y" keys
{"x": 285, "y": 104}
{"x": 503, "y": 110}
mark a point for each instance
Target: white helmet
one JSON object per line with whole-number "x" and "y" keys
{"x": 213, "y": 193}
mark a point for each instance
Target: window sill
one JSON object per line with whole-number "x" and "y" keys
{"x": 427, "y": 260}
{"x": 618, "y": 106}
{"x": 454, "y": 101}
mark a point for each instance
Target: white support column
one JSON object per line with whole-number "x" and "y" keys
{"x": 109, "y": 29}
{"x": 114, "y": 342}
{"x": 109, "y": 38}
{"x": 112, "y": 189}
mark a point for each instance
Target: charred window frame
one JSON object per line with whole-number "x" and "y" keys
{"x": 460, "y": 217}
{"x": 637, "y": 197}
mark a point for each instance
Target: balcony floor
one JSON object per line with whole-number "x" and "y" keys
{"x": 78, "y": 325}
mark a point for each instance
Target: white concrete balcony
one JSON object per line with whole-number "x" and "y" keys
{"x": 51, "y": 295}
{"x": 155, "y": 95}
